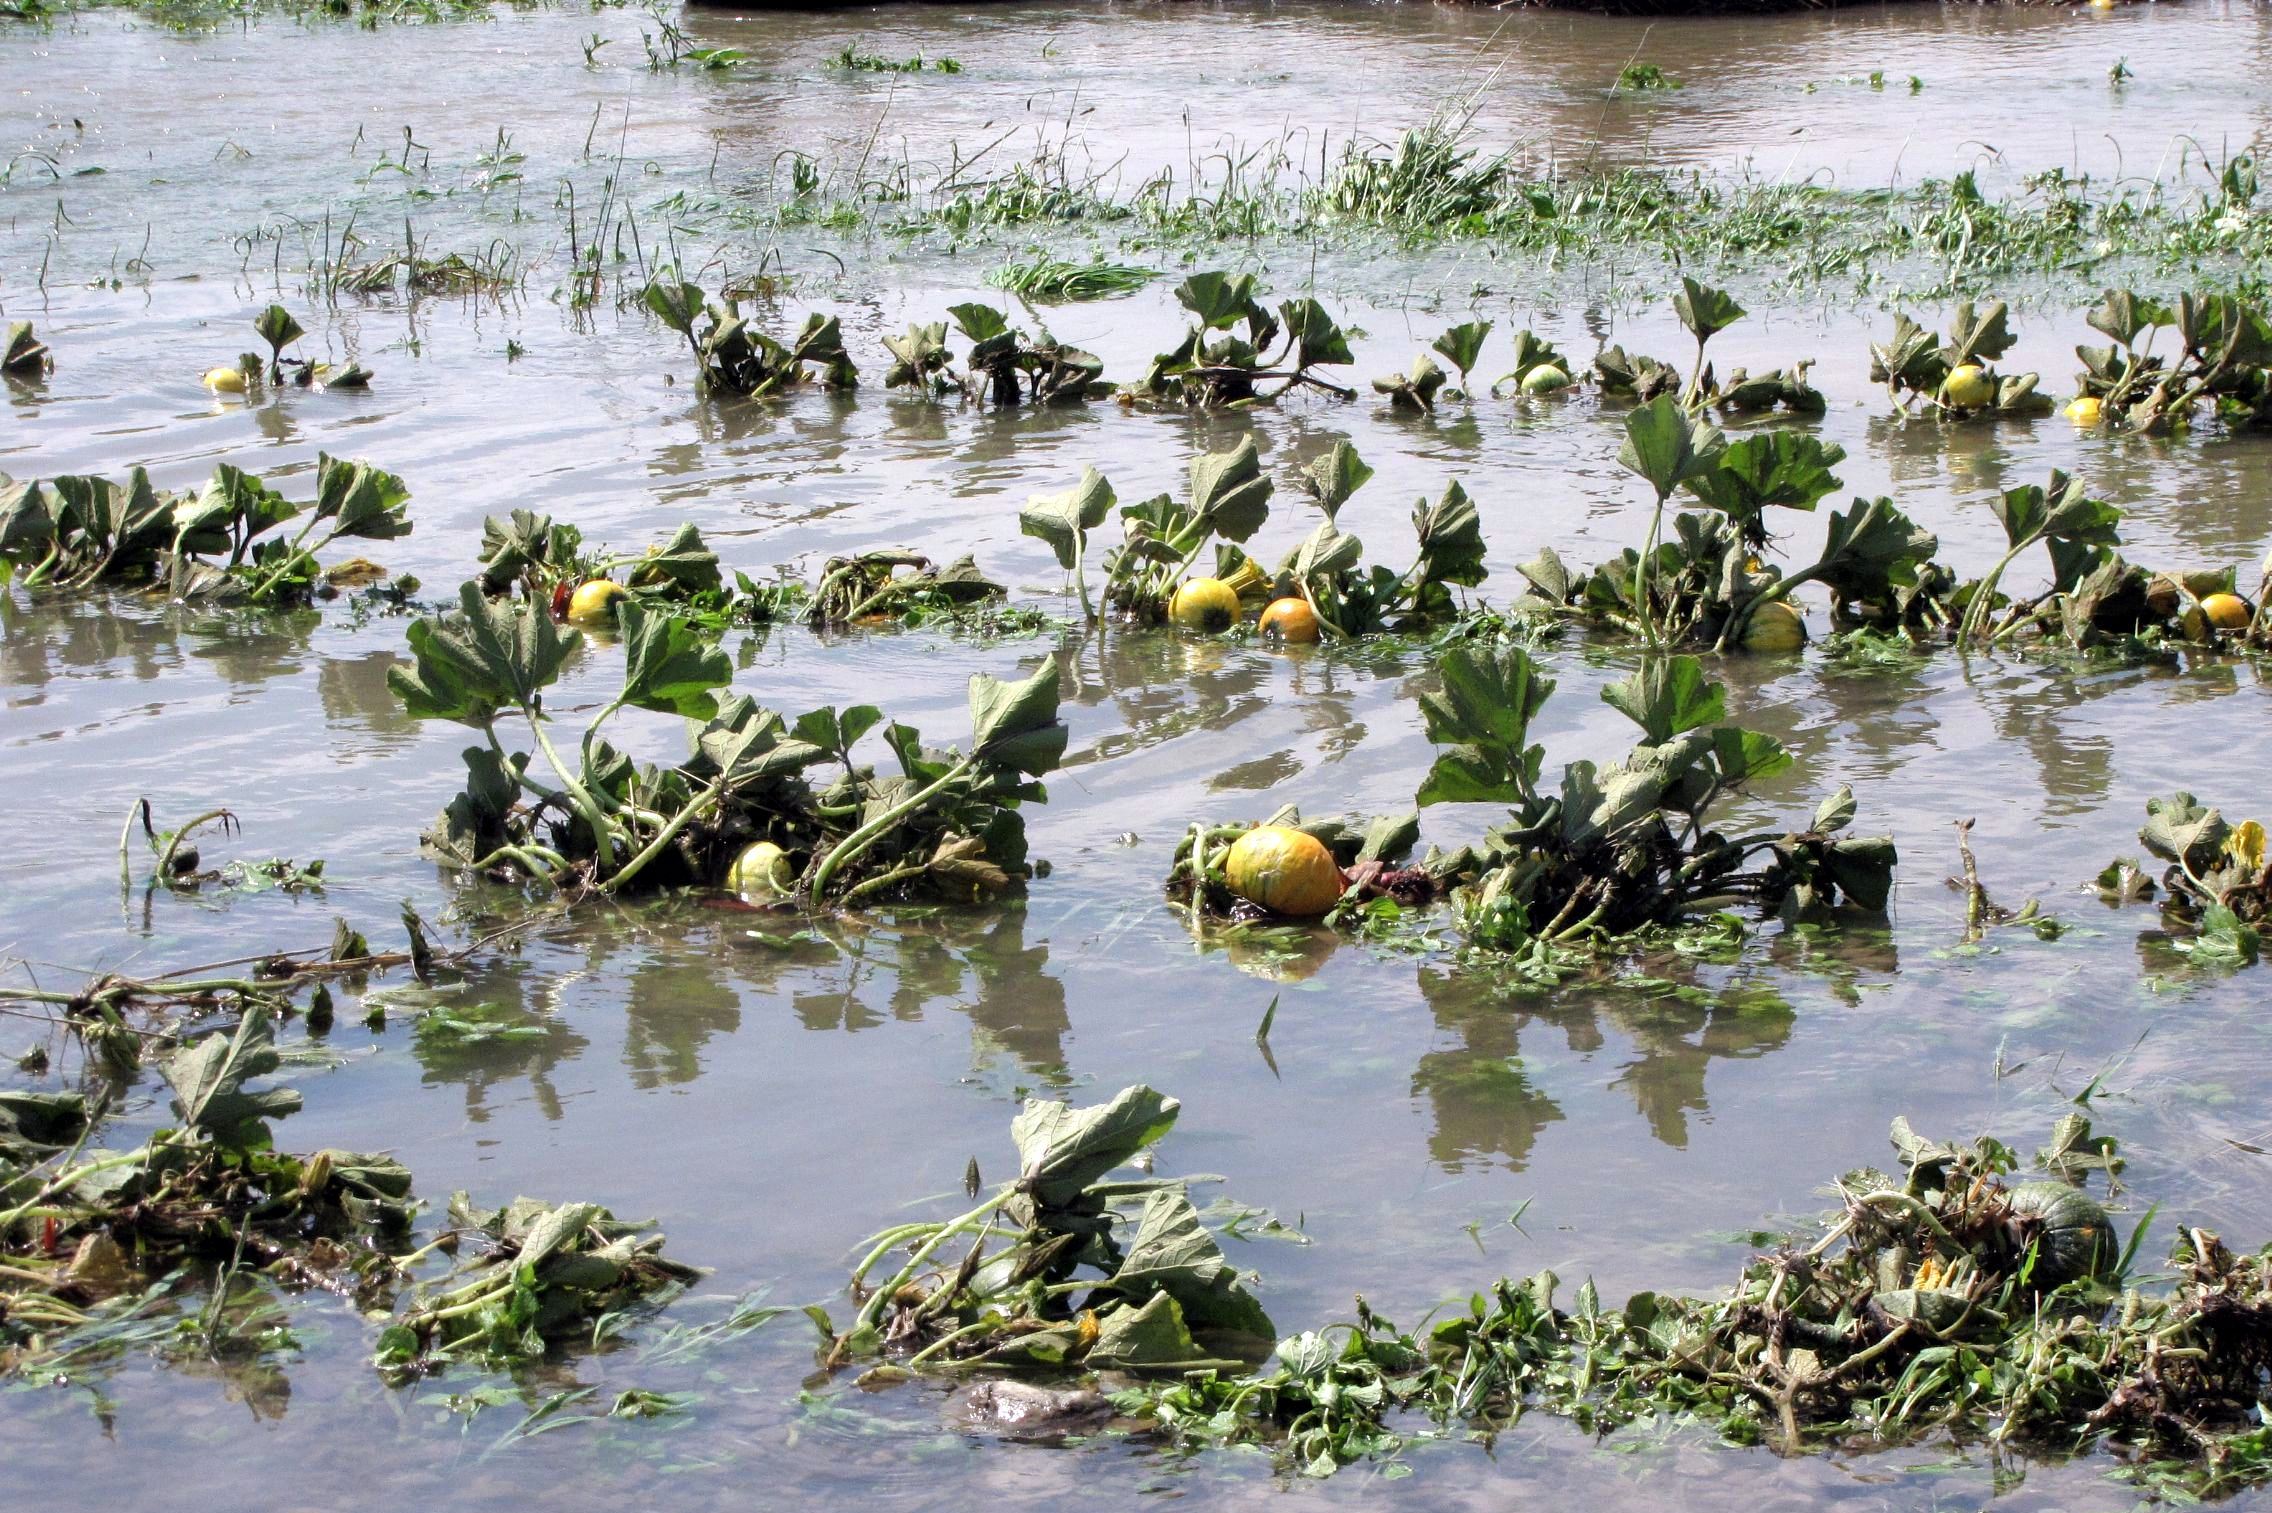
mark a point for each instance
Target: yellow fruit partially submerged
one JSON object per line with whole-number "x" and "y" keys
{"x": 225, "y": 380}
{"x": 1207, "y": 604}
{"x": 1545, "y": 379}
{"x": 2226, "y": 611}
{"x": 1290, "y": 620}
{"x": 2085, "y": 410}
{"x": 762, "y": 871}
{"x": 594, "y": 602}
{"x": 1284, "y": 870}
{"x": 1968, "y": 388}
{"x": 1775, "y": 626}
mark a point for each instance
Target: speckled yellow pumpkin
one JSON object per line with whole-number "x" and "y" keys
{"x": 593, "y": 602}
{"x": 761, "y": 871}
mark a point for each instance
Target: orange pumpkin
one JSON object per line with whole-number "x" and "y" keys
{"x": 1284, "y": 870}
{"x": 1290, "y": 620}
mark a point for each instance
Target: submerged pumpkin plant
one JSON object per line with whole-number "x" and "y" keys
{"x": 2222, "y": 358}
{"x": 1065, "y": 1267}
{"x": 735, "y": 358}
{"x": 947, "y": 825}
{"x": 75, "y": 532}
{"x": 1952, "y": 378}
{"x": 1633, "y": 844}
{"x": 1213, "y": 367}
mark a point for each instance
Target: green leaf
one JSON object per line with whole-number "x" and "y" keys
{"x": 675, "y": 303}
{"x": 1062, "y": 1150}
{"x": 1332, "y": 478}
{"x": 981, "y": 323}
{"x": 1015, "y": 725}
{"x": 1317, "y": 338}
{"x": 1065, "y": 520}
{"x": 1172, "y": 1252}
{"x": 667, "y": 666}
{"x": 1980, "y": 337}
{"x": 208, "y": 1077}
{"x": 484, "y": 656}
{"x": 1219, "y": 300}
{"x": 1451, "y": 539}
{"x": 1789, "y": 469}
{"x": 747, "y": 743}
{"x": 1746, "y": 756}
{"x": 1151, "y": 1336}
{"x": 2180, "y": 830}
{"x": 1834, "y": 813}
{"x": 1664, "y": 446}
{"x": 1666, "y": 696}
{"x": 1326, "y": 552}
{"x": 682, "y": 564}
{"x": 1462, "y": 345}
{"x": 1230, "y": 491}
{"x": 276, "y": 327}
{"x": 361, "y": 500}
{"x": 1483, "y": 714}
{"x": 1703, "y": 310}
{"x": 1870, "y": 549}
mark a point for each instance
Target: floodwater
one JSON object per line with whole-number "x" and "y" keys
{"x": 768, "y": 1106}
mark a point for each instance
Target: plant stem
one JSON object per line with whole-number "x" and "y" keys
{"x": 855, "y": 845}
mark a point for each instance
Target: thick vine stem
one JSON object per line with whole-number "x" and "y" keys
{"x": 855, "y": 845}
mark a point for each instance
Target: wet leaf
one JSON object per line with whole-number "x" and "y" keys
{"x": 668, "y": 666}
{"x": 1172, "y": 1252}
{"x": 1665, "y": 446}
{"x": 1154, "y": 1335}
{"x": 1333, "y": 477}
{"x": 1065, "y": 520}
{"x": 1230, "y": 491}
{"x": 1704, "y": 311}
{"x": 208, "y": 1079}
{"x": 1666, "y": 696}
{"x": 1062, "y": 1150}
{"x": 1483, "y": 714}
{"x": 1015, "y": 724}
{"x": 485, "y": 656}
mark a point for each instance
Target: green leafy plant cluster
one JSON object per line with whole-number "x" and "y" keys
{"x": 1003, "y": 366}
{"x": 944, "y": 824}
{"x": 2221, "y": 357}
{"x": 227, "y": 541}
{"x": 1914, "y": 365}
{"x": 735, "y": 358}
{"x": 1614, "y": 849}
{"x": 1067, "y": 1266}
{"x": 1216, "y": 366}
{"x": 2217, "y": 887}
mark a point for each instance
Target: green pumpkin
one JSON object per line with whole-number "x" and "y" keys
{"x": 2073, "y": 1236}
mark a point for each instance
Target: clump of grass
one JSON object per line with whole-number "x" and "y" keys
{"x": 1638, "y": 78}
{"x": 851, "y": 59}
{"x": 1053, "y": 279}
{"x": 1431, "y": 178}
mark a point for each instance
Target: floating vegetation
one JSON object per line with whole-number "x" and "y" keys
{"x": 1952, "y": 379}
{"x": 1004, "y": 366}
{"x": 2223, "y": 360}
{"x": 2217, "y": 888}
{"x": 851, "y": 59}
{"x": 223, "y": 543}
{"x": 23, "y": 355}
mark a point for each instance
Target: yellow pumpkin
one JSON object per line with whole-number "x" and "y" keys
{"x": 225, "y": 380}
{"x": 594, "y": 602}
{"x": 1968, "y": 388}
{"x": 1545, "y": 379}
{"x": 2085, "y": 410}
{"x": 1290, "y": 620}
{"x": 1284, "y": 870}
{"x": 761, "y": 871}
{"x": 2226, "y": 611}
{"x": 1207, "y": 604}
{"x": 1775, "y": 626}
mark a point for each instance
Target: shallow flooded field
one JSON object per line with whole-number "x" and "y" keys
{"x": 770, "y": 1090}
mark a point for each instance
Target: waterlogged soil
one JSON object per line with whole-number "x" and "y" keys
{"x": 767, "y": 1097}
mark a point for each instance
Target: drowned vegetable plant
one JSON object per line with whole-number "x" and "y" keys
{"x": 234, "y": 540}
{"x": 1216, "y": 366}
{"x": 1711, "y": 579}
{"x": 942, "y": 824}
{"x": 2218, "y": 354}
{"x": 1065, "y": 1267}
{"x": 735, "y": 358}
{"x": 1704, "y": 312}
{"x": 2217, "y": 886}
{"x": 1615, "y": 848}
{"x": 1004, "y": 366}
{"x": 1952, "y": 379}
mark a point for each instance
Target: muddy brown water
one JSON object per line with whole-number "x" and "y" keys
{"x": 769, "y": 1106}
